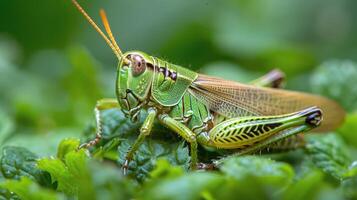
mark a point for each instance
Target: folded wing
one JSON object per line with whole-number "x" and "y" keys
{"x": 233, "y": 99}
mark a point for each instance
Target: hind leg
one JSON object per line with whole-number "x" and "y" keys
{"x": 249, "y": 134}
{"x": 273, "y": 79}
{"x": 185, "y": 133}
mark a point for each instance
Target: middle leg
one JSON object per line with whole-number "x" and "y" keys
{"x": 184, "y": 132}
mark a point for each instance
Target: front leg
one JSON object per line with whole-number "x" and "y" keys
{"x": 102, "y": 104}
{"x": 184, "y": 132}
{"x": 144, "y": 131}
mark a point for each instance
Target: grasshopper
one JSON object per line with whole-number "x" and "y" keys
{"x": 210, "y": 111}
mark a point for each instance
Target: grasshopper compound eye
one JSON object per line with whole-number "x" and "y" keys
{"x": 138, "y": 65}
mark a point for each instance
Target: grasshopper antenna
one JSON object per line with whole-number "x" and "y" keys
{"x": 109, "y": 31}
{"x": 114, "y": 46}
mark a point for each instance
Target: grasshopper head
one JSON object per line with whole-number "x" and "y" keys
{"x": 134, "y": 77}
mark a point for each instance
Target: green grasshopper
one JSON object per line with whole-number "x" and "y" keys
{"x": 210, "y": 111}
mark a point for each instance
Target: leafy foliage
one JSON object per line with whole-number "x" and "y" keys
{"x": 328, "y": 153}
{"x": 76, "y": 175}
{"x": 27, "y": 189}
{"x": 265, "y": 169}
{"x": 17, "y": 162}
{"x": 149, "y": 152}
{"x": 343, "y": 74}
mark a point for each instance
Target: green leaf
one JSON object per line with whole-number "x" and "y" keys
{"x": 59, "y": 174}
{"x": 17, "y": 162}
{"x": 168, "y": 181}
{"x": 148, "y": 154}
{"x": 329, "y": 154}
{"x": 193, "y": 185}
{"x": 349, "y": 184}
{"x": 306, "y": 187}
{"x": 352, "y": 170}
{"x": 27, "y": 189}
{"x": 66, "y": 146}
{"x": 164, "y": 170}
{"x": 109, "y": 183}
{"x": 260, "y": 168}
{"x": 108, "y": 151}
{"x": 6, "y": 194}
{"x": 68, "y": 173}
{"x": 337, "y": 79}
{"x": 349, "y": 188}
{"x": 349, "y": 129}
{"x": 77, "y": 165}
{"x": 114, "y": 125}
{"x": 78, "y": 176}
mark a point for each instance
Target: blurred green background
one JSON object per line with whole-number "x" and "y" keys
{"x": 54, "y": 66}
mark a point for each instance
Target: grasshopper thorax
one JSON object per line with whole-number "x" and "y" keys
{"x": 134, "y": 78}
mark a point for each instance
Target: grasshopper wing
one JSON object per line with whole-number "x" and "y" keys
{"x": 233, "y": 99}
